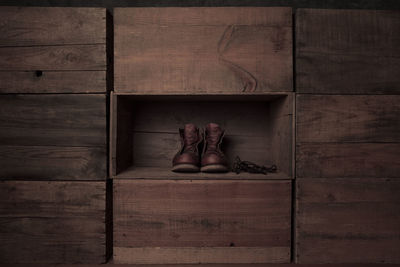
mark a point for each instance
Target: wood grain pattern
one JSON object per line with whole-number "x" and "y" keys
{"x": 53, "y": 120}
{"x": 21, "y": 82}
{"x": 330, "y": 160}
{"x": 348, "y": 220}
{"x": 28, "y": 26}
{"x": 347, "y": 51}
{"x": 202, "y": 255}
{"x": 53, "y": 163}
{"x": 44, "y": 58}
{"x": 52, "y": 222}
{"x": 203, "y": 214}
{"x": 162, "y": 173}
{"x": 203, "y": 50}
{"x": 340, "y": 118}
{"x": 167, "y": 16}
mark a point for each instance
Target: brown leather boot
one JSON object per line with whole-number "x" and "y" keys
{"x": 188, "y": 159}
{"x": 213, "y": 160}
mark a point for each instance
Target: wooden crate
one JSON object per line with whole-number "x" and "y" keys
{"x": 188, "y": 221}
{"x": 53, "y": 137}
{"x": 348, "y": 136}
{"x": 203, "y": 50}
{"x": 52, "y": 50}
{"x": 52, "y": 222}
{"x": 348, "y": 220}
{"x": 347, "y": 51}
{"x": 145, "y": 136}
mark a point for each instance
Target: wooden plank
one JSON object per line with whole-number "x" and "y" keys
{"x": 203, "y": 214}
{"x": 123, "y": 125}
{"x": 62, "y": 57}
{"x": 203, "y": 50}
{"x": 162, "y": 173}
{"x": 339, "y": 118}
{"x": 27, "y": 26}
{"x": 201, "y": 255}
{"x": 53, "y": 120}
{"x": 348, "y": 220}
{"x": 329, "y": 160}
{"x": 52, "y": 82}
{"x": 54, "y": 163}
{"x": 52, "y": 222}
{"x": 168, "y": 16}
{"x": 347, "y": 51}
{"x": 282, "y": 134}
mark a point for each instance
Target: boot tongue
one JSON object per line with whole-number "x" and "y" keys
{"x": 214, "y": 133}
{"x": 190, "y": 133}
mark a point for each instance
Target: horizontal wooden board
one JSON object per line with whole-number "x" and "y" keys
{"x": 348, "y": 221}
{"x": 162, "y": 173}
{"x": 27, "y": 26}
{"x": 347, "y": 51}
{"x": 168, "y": 16}
{"x": 52, "y": 82}
{"x": 330, "y": 160}
{"x": 53, "y": 163}
{"x": 52, "y": 222}
{"x": 202, "y": 214}
{"x": 203, "y": 255}
{"x": 62, "y": 57}
{"x": 53, "y": 120}
{"x": 341, "y": 118}
{"x": 220, "y": 50}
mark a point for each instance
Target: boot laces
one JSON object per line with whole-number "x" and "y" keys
{"x": 190, "y": 141}
{"x": 212, "y": 139}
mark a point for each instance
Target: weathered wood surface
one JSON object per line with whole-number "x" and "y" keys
{"x": 344, "y": 118}
{"x": 184, "y": 50}
{"x": 203, "y": 214}
{"x": 348, "y": 220}
{"x": 53, "y": 137}
{"x": 63, "y": 57}
{"x": 121, "y": 134}
{"x": 53, "y": 163}
{"x": 28, "y": 26}
{"x": 347, "y": 51}
{"x": 201, "y": 255}
{"x": 52, "y": 222}
{"x": 52, "y": 82}
{"x": 52, "y": 50}
{"x": 330, "y": 160}
{"x": 162, "y": 173}
{"x": 53, "y": 120}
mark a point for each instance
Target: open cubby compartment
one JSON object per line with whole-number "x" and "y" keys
{"x": 145, "y": 135}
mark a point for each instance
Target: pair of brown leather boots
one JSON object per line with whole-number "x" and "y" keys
{"x": 189, "y": 159}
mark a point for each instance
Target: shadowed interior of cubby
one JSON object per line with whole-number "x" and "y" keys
{"x": 145, "y": 132}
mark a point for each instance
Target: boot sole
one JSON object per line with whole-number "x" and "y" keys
{"x": 214, "y": 168}
{"x": 185, "y": 168}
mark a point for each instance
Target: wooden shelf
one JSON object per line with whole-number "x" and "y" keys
{"x": 166, "y": 173}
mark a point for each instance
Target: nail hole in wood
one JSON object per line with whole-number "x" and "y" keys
{"x": 38, "y": 73}
{"x": 232, "y": 244}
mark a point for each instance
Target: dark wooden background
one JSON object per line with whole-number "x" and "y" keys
{"x": 346, "y": 192}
